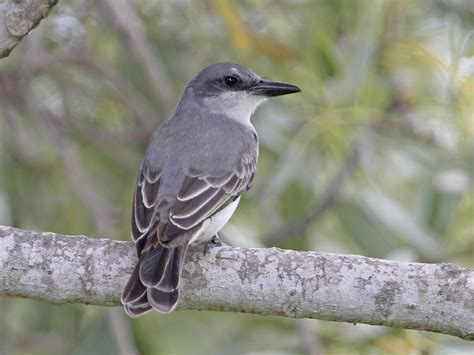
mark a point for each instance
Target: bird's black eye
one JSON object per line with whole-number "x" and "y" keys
{"x": 230, "y": 80}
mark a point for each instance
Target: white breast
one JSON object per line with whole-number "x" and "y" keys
{"x": 211, "y": 226}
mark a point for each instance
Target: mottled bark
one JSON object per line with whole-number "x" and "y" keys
{"x": 18, "y": 18}
{"x": 346, "y": 288}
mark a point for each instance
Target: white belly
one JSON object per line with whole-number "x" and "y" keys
{"x": 211, "y": 226}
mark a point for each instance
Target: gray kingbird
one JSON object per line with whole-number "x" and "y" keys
{"x": 196, "y": 166}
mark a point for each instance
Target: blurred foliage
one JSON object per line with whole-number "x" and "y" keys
{"x": 392, "y": 79}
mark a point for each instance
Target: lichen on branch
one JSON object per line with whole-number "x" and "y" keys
{"x": 346, "y": 288}
{"x": 18, "y": 18}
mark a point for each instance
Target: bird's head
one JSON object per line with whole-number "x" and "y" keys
{"x": 234, "y": 90}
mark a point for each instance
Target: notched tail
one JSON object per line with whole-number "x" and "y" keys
{"x": 154, "y": 281}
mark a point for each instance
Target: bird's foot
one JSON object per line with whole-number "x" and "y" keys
{"x": 215, "y": 241}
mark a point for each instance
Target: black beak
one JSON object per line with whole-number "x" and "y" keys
{"x": 273, "y": 88}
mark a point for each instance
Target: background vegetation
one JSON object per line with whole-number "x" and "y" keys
{"x": 374, "y": 157}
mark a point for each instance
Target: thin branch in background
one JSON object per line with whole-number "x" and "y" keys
{"x": 22, "y": 143}
{"x": 310, "y": 341}
{"x": 133, "y": 100}
{"x": 39, "y": 62}
{"x": 326, "y": 202}
{"x": 120, "y": 327}
{"x": 129, "y": 24}
{"x": 99, "y": 208}
{"x": 395, "y": 117}
{"x": 82, "y": 58}
{"x": 19, "y": 145}
{"x": 110, "y": 143}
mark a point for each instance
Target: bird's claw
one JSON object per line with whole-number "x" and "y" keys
{"x": 215, "y": 241}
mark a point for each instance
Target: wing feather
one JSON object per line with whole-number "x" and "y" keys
{"x": 192, "y": 188}
{"x": 203, "y": 195}
{"x": 188, "y": 207}
{"x": 144, "y": 202}
{"x": 207, "y": 210}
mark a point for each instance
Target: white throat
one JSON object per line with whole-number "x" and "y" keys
{"x": 237, "y": 105}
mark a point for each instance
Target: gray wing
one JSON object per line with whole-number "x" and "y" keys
{"x": 201, "y": 195}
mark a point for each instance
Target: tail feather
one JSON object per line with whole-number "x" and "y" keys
{"x": 150, "y": 273}
{"x": 172, "y": 270}
{"x": 163, "y": 301}
{"x": 134, "y": 289}
{"x": 154, "y": 281}
{"x": 140, "y": 302}
{"x": 136, "y": 311}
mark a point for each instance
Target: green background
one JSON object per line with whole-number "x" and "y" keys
{"x": 374, "y": 157}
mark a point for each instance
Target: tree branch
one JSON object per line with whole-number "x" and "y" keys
{"x": 328, "y": 200}
{"x": 18, "y": 18}
{"x": 346, "y": 288}
{"x": 130, "y": 25}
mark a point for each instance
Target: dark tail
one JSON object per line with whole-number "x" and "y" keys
{"x": 154, "y": 281}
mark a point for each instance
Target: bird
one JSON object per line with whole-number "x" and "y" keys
{"x": 196, "y": 166}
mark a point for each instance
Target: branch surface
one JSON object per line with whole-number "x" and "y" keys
{"x": 18, "y": 18}
{"x": 346, "y": 288}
